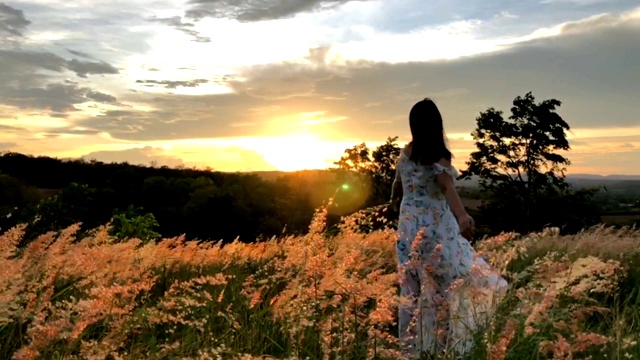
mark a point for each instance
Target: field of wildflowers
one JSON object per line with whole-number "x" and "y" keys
{"x": 308, "y": 297}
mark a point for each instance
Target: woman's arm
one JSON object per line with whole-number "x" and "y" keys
{"x": 396, "y": 191}
{"x": 445, "y": 181}
{"x": 465, "y": 222}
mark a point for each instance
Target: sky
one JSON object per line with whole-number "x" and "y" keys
{"x": 248, "y": 85}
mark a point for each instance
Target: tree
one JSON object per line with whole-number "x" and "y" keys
{"x": 368, "y": 174}
{"x": 519, "y": 162}
{"x": 365, "y": 178}
{"x": 383, "y": 169}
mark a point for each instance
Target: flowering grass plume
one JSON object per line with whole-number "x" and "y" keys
{"x": 308, "y": 297}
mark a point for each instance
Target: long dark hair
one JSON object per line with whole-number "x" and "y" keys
{"x": 429, "y": 143}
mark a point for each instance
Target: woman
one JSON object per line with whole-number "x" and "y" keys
{"x": 436, "y": 262}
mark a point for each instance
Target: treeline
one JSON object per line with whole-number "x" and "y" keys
{"x": 50, "y": 194}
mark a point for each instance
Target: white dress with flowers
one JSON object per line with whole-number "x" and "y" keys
{"x": 445, "y": 288}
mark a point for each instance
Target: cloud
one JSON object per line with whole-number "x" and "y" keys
{"x": 100, "y": 97}
{"x": 80, "y": 54}
{"x": 12, "y": 21}
{"x": 11, "y": 129}
{"x": 568, "y": 66}
{"x": 139, "y": 156}
{"x": 257, "y": 10}
{"x": 178, "y": 117}
{"x": 4, "y": 146}
{"x": 279, "y": 82}
{"x": 57, "y": 98}
{"x": 23, "y": 66}
{"x": 169, "y": 84}
{"x": 288, "y": 79}
{"x": 84, "y": 68}
{"x": 38, "y": 80}
{"x": 177, "y": 23}
{"x": 64, "y": 65}
{"x": 506, "y": 15}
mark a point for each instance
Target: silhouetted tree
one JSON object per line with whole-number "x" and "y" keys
{"x": 383, "y": 168}
{"x": 369, "y": 174}
{"x": 366, "y": 177}
{"x": 519, "y": 163}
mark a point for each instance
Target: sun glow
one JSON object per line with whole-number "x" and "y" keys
{"x": 297, "y": 152}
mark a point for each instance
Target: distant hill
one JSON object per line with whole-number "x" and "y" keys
{"x": 307, "y": 174}
{"x": 603, "y": 177}
{"x": 573, "y": 178}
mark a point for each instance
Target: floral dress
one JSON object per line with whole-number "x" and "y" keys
{"x": 446, "y": 290}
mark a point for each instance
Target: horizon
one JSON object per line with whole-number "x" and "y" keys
{"x": 579, "y": 176}
{"x": 228, "y": 85}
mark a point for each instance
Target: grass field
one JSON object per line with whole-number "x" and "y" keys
{"x": 308, "y": 297}
{"x": 621, "y": 219}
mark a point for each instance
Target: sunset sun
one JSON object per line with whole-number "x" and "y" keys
{"x": 296, "y": 152}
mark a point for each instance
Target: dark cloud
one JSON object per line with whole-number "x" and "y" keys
{"x": 26, "y": 79}
{"x": 256, "y": 10}
{"x": 57, "y": 98}
{"x": 168, "y": 84}
{"x": 80, "y": 54}
{"x": 84, "y": 68}
{"x": 185, "y": 27}
{"x": 22, "y": 80}
{"x": 12, "y": 21}
{"x": 22, "y": 66}
{"x": 139, "y": 156}
{"x": 53, "y": 97}
{"x": 100, "y": 97}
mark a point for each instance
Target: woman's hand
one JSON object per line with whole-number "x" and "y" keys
{"x": 467, "y": 226}
{"x": 394, "y": 205}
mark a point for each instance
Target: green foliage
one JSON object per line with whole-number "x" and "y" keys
{"x": 132, "y": 224}
{"x": 520, "y": 164}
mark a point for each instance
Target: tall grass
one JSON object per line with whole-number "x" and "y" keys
{"x": 309, "y": 297}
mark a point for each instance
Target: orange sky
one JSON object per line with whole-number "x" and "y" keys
{"x": 243, "y": 87}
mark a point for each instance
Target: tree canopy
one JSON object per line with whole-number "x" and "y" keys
{"x": 520, "y": 161}
{"x": 368, "y": 174}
